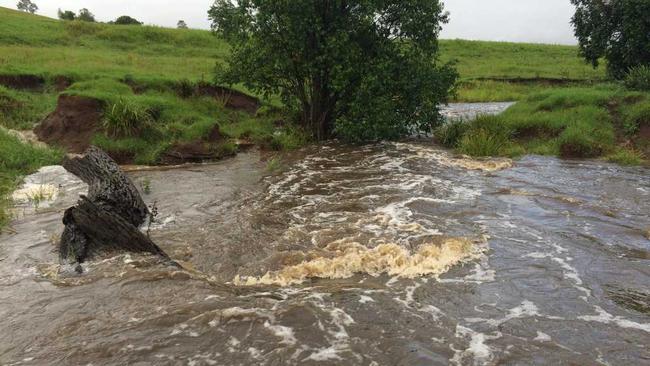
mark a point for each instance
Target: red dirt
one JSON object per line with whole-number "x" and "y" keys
{"x": 73, "y": 124}
{"x": 28, "y": 82}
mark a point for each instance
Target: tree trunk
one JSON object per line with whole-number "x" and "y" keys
{"x": 109, "y": 217}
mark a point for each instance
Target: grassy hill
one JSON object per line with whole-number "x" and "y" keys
{"x": 32, "y": 44}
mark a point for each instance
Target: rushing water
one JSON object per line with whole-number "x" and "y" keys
{"x": 389, "y": 254}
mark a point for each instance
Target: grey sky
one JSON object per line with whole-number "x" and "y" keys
{"x": 544, "y": 21}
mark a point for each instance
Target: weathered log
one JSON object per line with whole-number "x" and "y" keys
{"x": 109, "y": 217}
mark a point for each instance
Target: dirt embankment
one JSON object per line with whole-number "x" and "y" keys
{"x": 232, "y": 99}
{"x": 77, "y": 120}
{"x": 73, "y": 124}
{"x": 22, "y": 82}
{"x": 34, "y": 82}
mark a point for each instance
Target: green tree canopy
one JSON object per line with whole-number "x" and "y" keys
{"x": 27, "y": 5}
{"x": 66, "y": 15}
{"x": 181, "y": 24}
{"x": 127, "y": 20}
{"x": 618, "y": 30}
{"x": 85, "y": 15}
{"x": 363, "y": 70}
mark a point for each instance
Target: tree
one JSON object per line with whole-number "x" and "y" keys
{"x": 126, "y": 20}
{"x": 27, "y": 6}
{"x": 618, "y": 30}
{"x": 181, "y": 24}
{"x": 67, "y": 15}
{"x": 85, "y": 15}
{"x": 361, "y": 70}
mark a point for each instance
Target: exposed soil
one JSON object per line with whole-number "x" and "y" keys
{"x": 232, "y": 99}
{"x": 642, "y": 140}
{"x": 22, "y": 82}
{"x": 195, "y": 151}
{"x": 62, "y": 83}
{"x": 192, "y": 152}
{"x": 73, "y": 124}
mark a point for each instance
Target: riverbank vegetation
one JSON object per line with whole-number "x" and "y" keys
{"x": 604, "y": 121}
{"x": 18, "y": 159}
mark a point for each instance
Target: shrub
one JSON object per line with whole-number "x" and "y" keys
{"x": 482, "y": 142}
{"x": 450, "y": 133}
{"x": 125, "y": 119}
{"x": 638, "y": 78}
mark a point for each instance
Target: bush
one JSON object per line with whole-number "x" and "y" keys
{"x": 125, "y": 119}
{"x": 638, "y": 78}
{"x": 450, "y": 133}
{"x": 482, "y": 142}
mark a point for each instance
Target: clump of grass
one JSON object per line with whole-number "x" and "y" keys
{"x": 576, "y": 143}
{"x": 227, "y": 148}
{"x": 636, "y": 116}
{"x": 451, "y": 132}
{"x": 638, "y": 78}
{"x": 627, "y": 157}
{"x": 126, "y": 119}
{"x": 482, "y": 142}
{"x": 274, "y": 164}
{"x": 288, "y": 139}
{"x": 184, "y": 88}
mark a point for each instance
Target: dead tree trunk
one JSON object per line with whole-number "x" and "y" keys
{"x": 109, "y": 217}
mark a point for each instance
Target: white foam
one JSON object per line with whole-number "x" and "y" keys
{"x": 607, "y": 318}
{"x": 542, "y": 337}
{"x": 477, "y": 350}
{"x": 286, "y": 334}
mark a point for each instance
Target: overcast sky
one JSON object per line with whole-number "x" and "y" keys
{"x": 542, "y": 21}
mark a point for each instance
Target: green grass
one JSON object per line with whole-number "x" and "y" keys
{"x": 17, "y": 160}
{"x": 504, "y": 60}
{"x": 577, "y": 122}
{"x": 627, "y": 157}
{"x": 31, "y": 44}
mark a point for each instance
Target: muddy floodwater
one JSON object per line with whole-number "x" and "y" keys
{"x": 387, "y": 254}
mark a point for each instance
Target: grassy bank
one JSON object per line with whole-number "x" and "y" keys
{"x": 604, "y": 121}
{"x": 17, "y": 160}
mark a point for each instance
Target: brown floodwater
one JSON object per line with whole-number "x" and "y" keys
{"x": 385, "y": 254}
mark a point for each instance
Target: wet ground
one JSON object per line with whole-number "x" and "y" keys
{"x": 390, "y": 254}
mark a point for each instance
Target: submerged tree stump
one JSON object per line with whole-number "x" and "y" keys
{"x": 109, "y": 218}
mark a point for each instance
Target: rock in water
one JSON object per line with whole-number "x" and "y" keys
{"x": 109, "y": 217}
